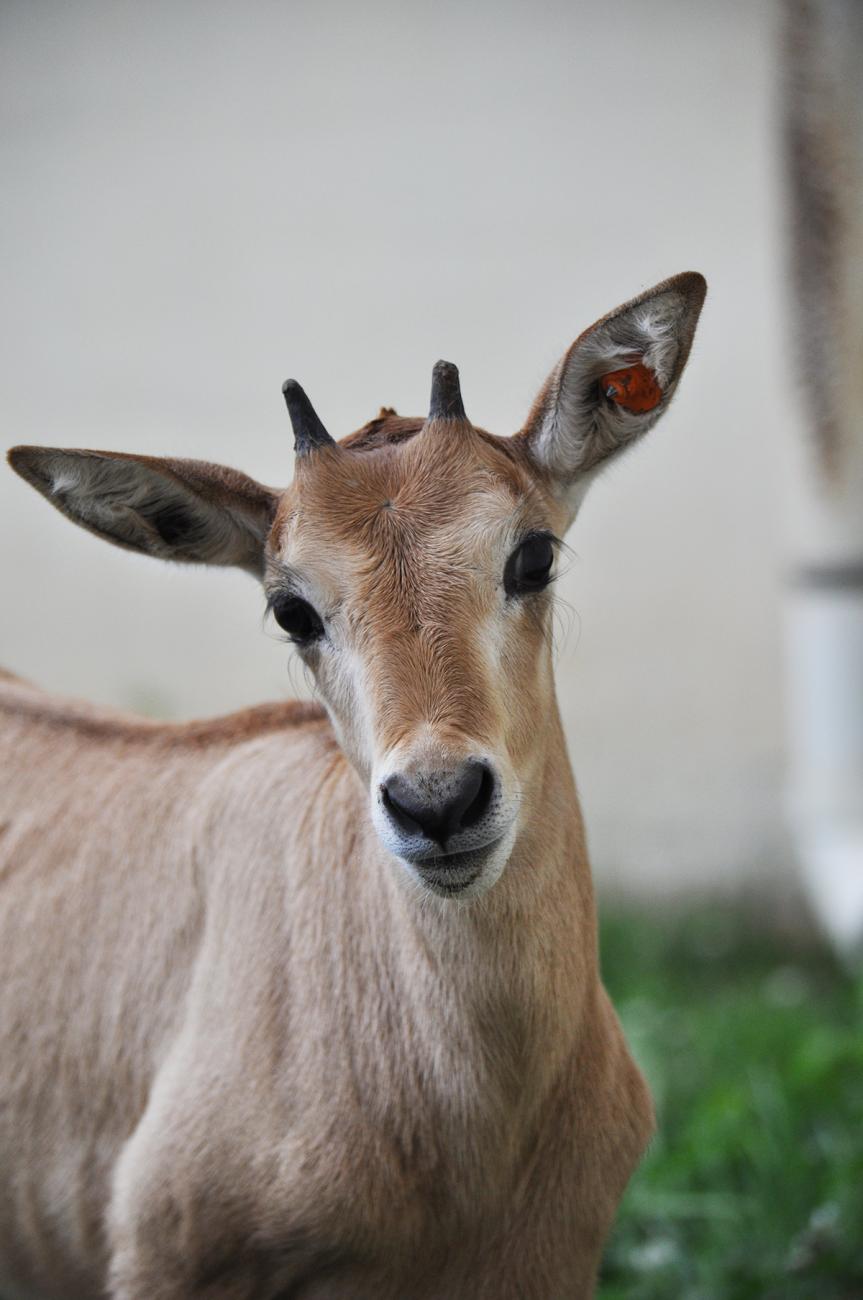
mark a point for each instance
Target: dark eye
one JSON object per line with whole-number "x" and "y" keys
{"x": 529, "y": 567}
{"x": 296, "y": 617}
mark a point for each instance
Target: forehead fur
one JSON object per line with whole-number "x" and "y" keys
{"x": 404, "y": 476}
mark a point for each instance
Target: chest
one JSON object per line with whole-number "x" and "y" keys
{"x": 345, "y": 1208}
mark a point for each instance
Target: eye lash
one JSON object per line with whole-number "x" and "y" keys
{"x": 561, "y": 549}
{"x": 281, "y": 593}
{"x": 284, "y": 581}
{"x": 541, "y": 535}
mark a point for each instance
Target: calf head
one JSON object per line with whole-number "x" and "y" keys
{"x": 411, "y": 564}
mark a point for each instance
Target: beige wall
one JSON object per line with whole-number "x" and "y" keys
{"x": 199, "y": 200}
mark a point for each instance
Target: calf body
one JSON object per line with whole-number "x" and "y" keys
{"x": 305, "y": 1002}
{"x": 223, "y": 1019}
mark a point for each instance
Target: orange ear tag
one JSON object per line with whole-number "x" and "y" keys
{"x": 634, "y": 388}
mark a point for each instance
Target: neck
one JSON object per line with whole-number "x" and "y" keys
{"x": 502, "y": 982}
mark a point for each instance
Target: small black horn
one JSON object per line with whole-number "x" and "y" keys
{"x": 308, "y": 430}
{"x": 446, "y": 403}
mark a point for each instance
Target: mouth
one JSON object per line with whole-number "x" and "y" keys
{"x": 449, "y": 874}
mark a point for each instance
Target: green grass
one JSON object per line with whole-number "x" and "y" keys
{"x": 753, "y": 1048}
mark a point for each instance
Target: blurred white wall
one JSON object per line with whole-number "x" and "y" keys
{"x": 200, "y": 199}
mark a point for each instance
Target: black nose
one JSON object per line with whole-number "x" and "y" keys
{"x": 440, "y": 804}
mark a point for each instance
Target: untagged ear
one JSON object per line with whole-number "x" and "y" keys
{"x": 615, "y": 382}
{"x": 186, "y": 510}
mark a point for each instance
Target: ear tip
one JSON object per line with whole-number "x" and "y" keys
{"x": 693, "y": 284}
{"x": 33, "y": 464}
{"x": 19, "y": 457}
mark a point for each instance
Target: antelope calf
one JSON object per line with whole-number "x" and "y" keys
{"x": 304, "y": 1002}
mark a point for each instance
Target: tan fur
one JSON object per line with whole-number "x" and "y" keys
{"x": 244, "y": 1056}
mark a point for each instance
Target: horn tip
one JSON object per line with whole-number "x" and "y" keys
{"x": 308, "y": 430}
{"x": 446, "y": 401}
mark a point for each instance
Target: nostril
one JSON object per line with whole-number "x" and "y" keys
{"x": 405, "y": 811}
{"x": 483, "y": 785}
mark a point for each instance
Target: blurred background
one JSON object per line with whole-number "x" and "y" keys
{"x": 202, "y": 199}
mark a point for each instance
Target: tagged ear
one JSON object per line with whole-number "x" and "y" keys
{"x": 185, "y": 510}
{"x": 615, "y": 381}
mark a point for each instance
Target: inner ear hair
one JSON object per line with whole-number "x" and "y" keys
{"x": 182, "y": 510}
